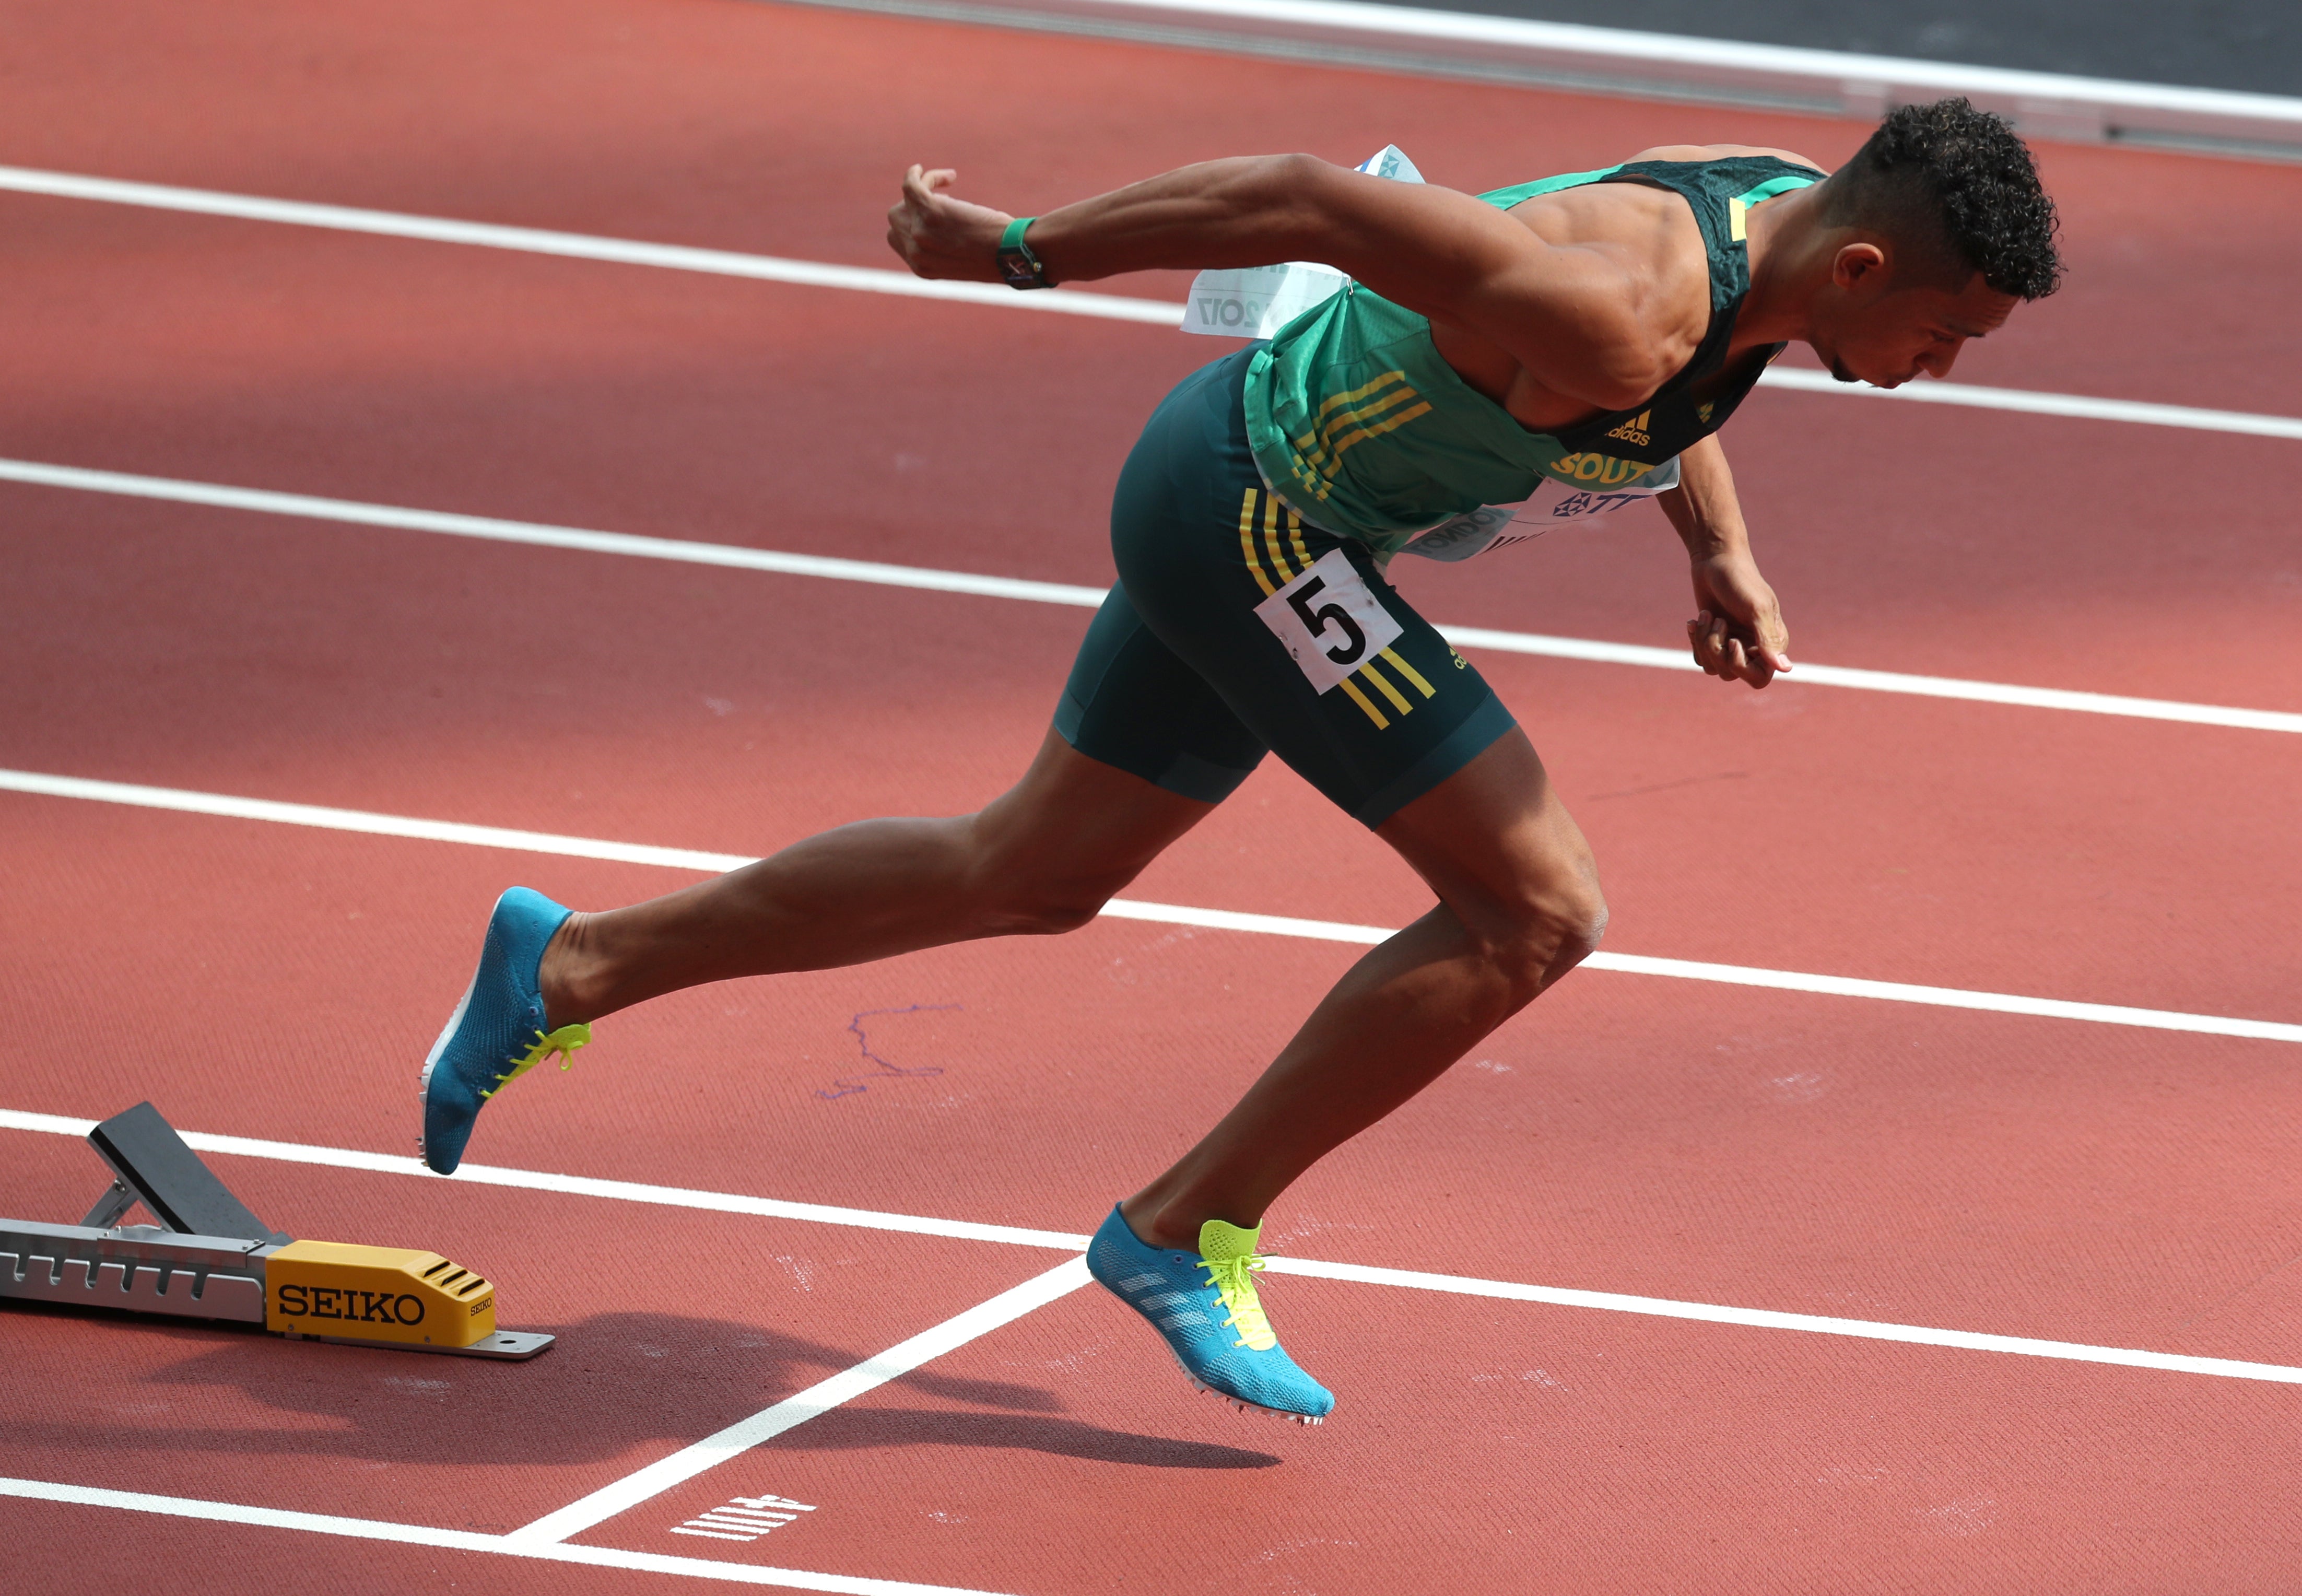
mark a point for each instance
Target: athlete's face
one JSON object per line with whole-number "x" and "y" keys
{"x": 1870, "y": 329}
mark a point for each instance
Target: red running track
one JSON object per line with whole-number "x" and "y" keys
{"x": 1770, "y": 1150}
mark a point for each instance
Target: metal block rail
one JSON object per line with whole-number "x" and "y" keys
{"x": 209, "y": 1258}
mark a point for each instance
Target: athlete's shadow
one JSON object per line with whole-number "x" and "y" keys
{"x": 616, "y": 1386}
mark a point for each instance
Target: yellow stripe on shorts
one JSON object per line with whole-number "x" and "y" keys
{"x": 1410, "y": 673}
{"x": 1247, "y": 543}
{"x": 1398, "y": 699}
{"x": 1361, "y": 699}
{"x": 1270, "y": 537}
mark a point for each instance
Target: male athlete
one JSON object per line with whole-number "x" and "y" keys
{"x": 1592, "y": 329}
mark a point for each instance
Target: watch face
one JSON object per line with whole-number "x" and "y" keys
{"x": 1019, "y": 269}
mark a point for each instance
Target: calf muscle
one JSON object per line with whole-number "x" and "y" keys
{"x": 1519, "y": 907}
{"x": 1042, "y": 858}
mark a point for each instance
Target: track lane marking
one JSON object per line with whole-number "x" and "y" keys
{"x": 1589, "y": 651}
{"x": 587, "y": 1186}
{"x": 1617, "y": 1302}
{"x": 2031, "y": 401}
{"x": 577, "y": 245}
{"x": 419, "y": 1535}
{"x": 769, "y": 268}
{"x": 220, "y": 805}
{"x": 1706, "y": 1313}
{"x": 666, "y": 1473}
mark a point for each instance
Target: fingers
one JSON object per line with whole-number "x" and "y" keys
{"x": 1698, "y": 637}
{"x": 911, "y": 220}
{"x": 921, "y": 184}
{"x": 1721, "y": 653}
{"x": 1711, "y": 639}
{"x": 1739, "y": 636}
{"x": 1706, "y": 637}
{"x": 1752, "y": 666}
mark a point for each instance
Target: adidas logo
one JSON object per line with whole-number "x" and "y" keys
{"x": 1634, "y": 431}
{"x": 1156, "y": 1305}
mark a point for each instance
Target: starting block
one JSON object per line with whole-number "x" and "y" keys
{"x": 210, "y": 1258}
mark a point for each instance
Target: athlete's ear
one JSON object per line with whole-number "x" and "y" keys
{"x": 1855, "y": 264}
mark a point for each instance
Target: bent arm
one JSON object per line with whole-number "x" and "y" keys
{"x": 1737, "y": 634}
{"x": 1569, "y": 316}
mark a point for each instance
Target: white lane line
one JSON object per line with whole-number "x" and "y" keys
{"x": 1612, "y": 1302}
{"x": 541, "y": 534}
{"x": 226, "y": 806}
{"x": 821, "y": 1397}
{"x": 1705, "y": 1312}
{"x": 577, "y": 246}
{"x": 2030, "y": 402}
{"x": 585, "y": 1186}
{"x": 1745, "y": 975}
{"x": 1810, "y": 675}
{"x": 622, "y": 1191}
{"x": 769, "y": 268}
{"x": 419, "y": 1535}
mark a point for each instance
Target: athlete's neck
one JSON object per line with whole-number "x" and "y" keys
{"x": 1790, "y": 257}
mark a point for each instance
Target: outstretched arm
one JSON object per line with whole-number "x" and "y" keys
{"x": 1571, "y": 315}
{"x": 1738, "y": 634}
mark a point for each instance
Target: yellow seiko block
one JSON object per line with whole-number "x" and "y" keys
{"x": 375, "y": 1294}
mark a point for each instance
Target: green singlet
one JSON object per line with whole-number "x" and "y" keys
{"x": 1255, "y": 516}
{"x": 1361, "y": 427}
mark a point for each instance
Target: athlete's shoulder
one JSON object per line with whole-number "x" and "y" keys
{"x": 1721, "y": 152}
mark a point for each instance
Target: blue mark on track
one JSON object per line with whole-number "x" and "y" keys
{"x": 848, "y": 1085}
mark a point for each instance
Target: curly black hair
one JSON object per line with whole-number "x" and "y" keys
{"x": 1958, "y": 188}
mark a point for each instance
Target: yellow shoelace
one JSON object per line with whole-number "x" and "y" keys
{"x": 1234, "y": 1282}
{"x": 564, "y": 1042}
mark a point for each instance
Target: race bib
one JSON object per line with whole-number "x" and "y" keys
{"x": 1256, "y": 301}
{"x": 1328, "y": 621}
{"x": 1554, "y": 504}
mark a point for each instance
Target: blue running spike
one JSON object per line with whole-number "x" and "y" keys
{"x": 498, "y": 1031}
{"x": 1206, "y": 1305}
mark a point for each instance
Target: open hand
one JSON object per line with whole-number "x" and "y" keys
{"x": 940, "y": 236}
{"x": 1738, "y": 635}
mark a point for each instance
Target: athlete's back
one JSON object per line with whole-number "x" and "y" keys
{"x": 1363, "y": 416}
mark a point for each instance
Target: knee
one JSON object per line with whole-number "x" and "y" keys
{"x": 1045, "y": 909}
{"x": 1565, "y": 927}
{"x": 1547, "y": 931}
{"x": 1582, "y": 926}
{"x": 1023, "y": 895}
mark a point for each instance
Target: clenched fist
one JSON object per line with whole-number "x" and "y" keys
{"x": 940, "y": 236}
{"x": 1738, "y": 635}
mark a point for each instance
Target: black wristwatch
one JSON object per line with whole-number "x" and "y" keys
{"x": 1017, "y": 264}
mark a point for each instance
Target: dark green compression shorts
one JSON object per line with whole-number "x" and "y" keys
{"x": 1222, "y": 642}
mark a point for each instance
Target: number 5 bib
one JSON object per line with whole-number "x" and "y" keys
{"x": 1328, "y": 622}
